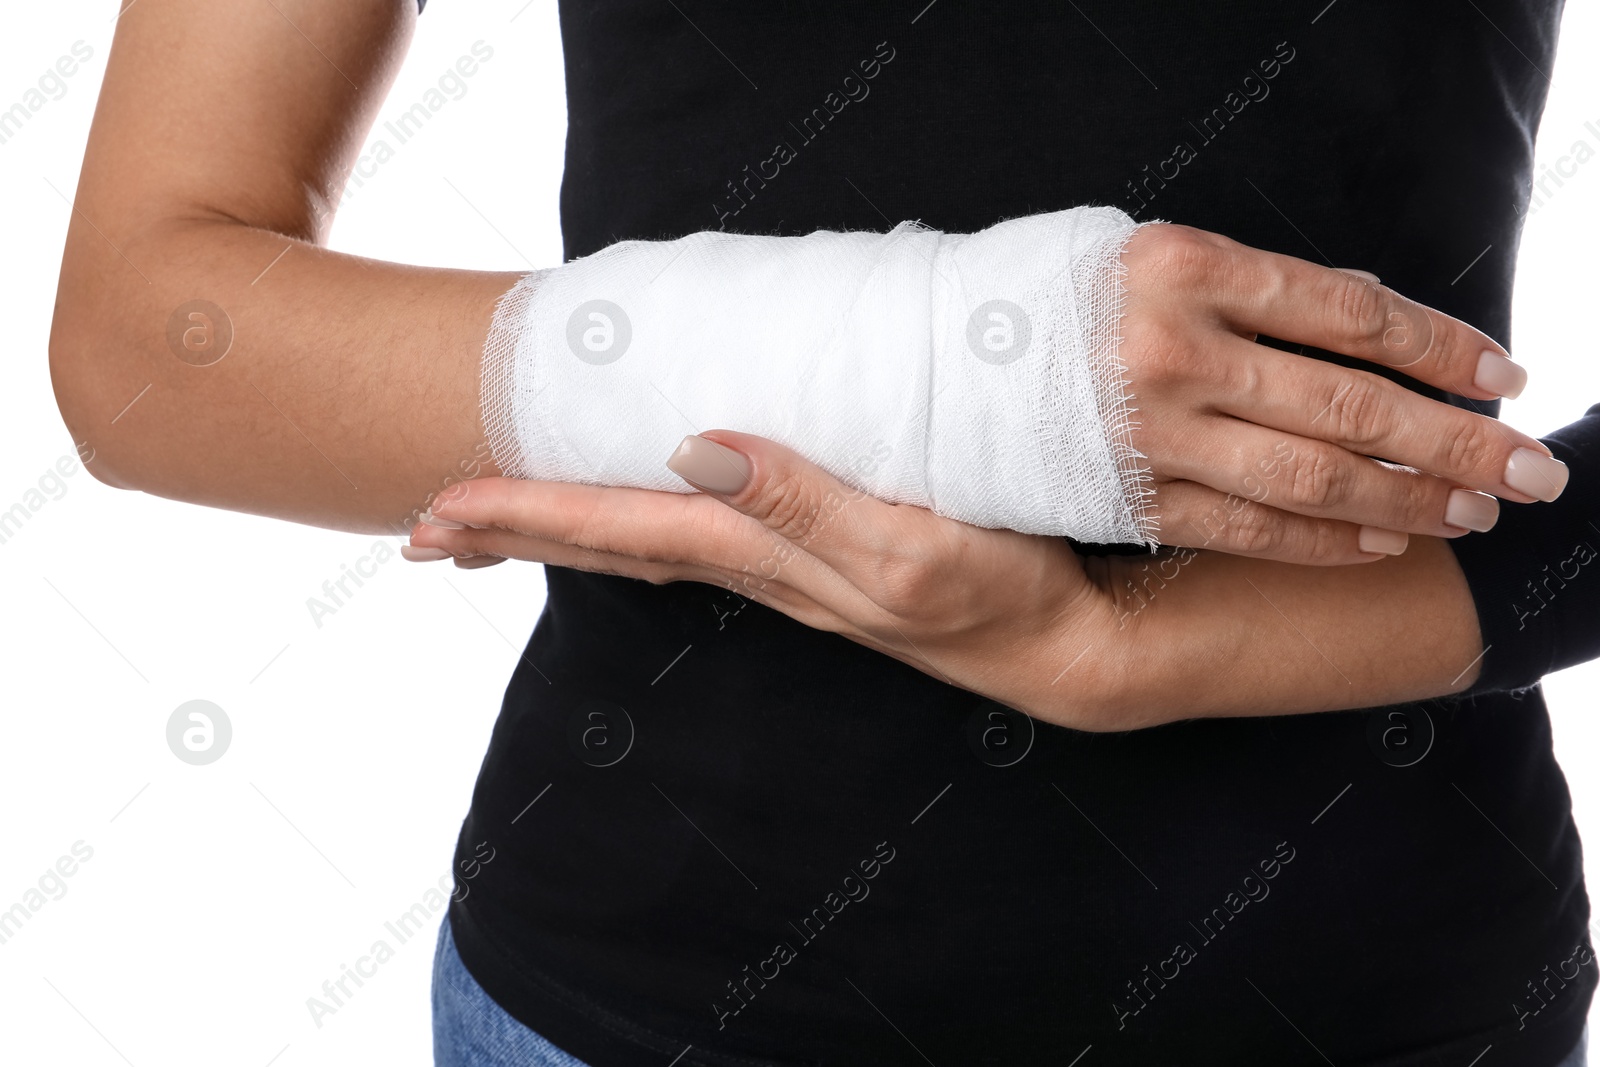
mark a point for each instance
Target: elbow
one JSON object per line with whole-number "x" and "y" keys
{"x": 79, "y": 396}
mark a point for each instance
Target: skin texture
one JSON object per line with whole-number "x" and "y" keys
{"x": 350, "y": 392}
{"x": 1221, "y": 416}
{"x": 349, "y": 398}
{"x": 1093, "y": 643}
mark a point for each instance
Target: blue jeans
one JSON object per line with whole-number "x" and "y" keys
{"x": 471, "y": 1030}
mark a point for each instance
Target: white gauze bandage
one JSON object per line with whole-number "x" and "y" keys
{"x": 973, "y": 374}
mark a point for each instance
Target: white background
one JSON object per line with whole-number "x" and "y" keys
{"x": 219, "y": 898}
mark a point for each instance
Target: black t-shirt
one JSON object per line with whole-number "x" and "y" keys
{"x": 717, "y": 837}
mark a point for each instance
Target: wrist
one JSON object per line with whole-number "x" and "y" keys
{"x": 1109, "y": 666}
{"x": 1222, "y": 636}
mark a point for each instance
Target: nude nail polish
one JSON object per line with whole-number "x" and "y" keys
{"x": 1377, "y": 539}
{"x": 709, "y": 466}
{"x": 1497, "y": 374}
{"x": 1540, "y": 476}
{"x": 472, "y": 563}
{"x": 422, "y": 555}
{"x": 1471, "y": 511}
{"x": 444, "y": 524}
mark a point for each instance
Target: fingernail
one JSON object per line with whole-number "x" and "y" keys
{"x": 1471, "y": 511}
{"x": 444, "y": 524}
{"x": 422, "y": 555}
{"x": 1497, "y": 374}
{"x": 1540, "y": 476}
{"x": 1367, "y": 274}
{"x": 470, "y": 563}
{"x": 707, "y": 465}
{"x": 1376, "y": 539}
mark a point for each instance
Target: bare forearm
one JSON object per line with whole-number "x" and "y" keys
{"x": 349, "y": 392}
{"x": 1227, "y": 635}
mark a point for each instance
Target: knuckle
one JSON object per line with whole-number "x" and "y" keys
{"x": 1323, "y": 543}
{"x": 1173, "y": 256}
{"x": 786, "y": 507}
{"x": 1318, "y": 478}
{"x": 1356, "y": 409}
{"x": 915, "y": 580}
{"x": 1183, "y": 256}
{"x": 1359, "y": 311}
{"x": 1244, "y": 379}
{"x": 1474, "y": 447}
{"x": 905, "y": 587}
{"x": 1422, "y": 503}
{"x": 1155, "y": 354}
{"x": 1257, "y": 530}
{"x": 1452, "y": 349}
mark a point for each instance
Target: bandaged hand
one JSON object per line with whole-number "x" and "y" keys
{"x": 1068, "y": 373}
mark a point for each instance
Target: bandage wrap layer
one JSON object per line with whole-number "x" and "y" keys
{"x": 973, "y": 374}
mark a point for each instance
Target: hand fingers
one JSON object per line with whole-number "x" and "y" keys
{"x": 646, "y": 525}
{"x": 1291, "y": 299}
{"x": 639, "y": 533}
{"x": 1324, "y": 481}
{"x": 1197, "y": 516}
{"x": 431, "y": 543}
{"x": 1374, "y": 416}
{"x": 499, "y": 544}
{"x": 843, "y": 527}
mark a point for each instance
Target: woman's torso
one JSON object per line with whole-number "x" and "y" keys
{"x": 717, "y": 773}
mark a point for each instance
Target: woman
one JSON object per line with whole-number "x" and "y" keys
{"x": 801, "y": 820}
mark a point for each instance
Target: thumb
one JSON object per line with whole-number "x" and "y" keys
{"x": 786, "y": 493}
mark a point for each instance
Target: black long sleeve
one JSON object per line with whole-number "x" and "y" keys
{"x": 1533, "y": 576}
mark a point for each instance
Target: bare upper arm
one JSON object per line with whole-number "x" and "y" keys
{"x": 251, "y": 110}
